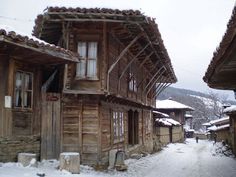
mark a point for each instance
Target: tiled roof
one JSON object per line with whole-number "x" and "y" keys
{"x": 132, "y": 17}
{"x": 6, "y": 35}
{"x": 224, "y": 44}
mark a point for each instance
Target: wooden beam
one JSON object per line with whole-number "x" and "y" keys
{"x": 128, "y": 65}
{"x": 155, "y": 82}
{"x": 120, "y": 57}
{"x": 158, "y": 93}
{"x": 139, "y": 84}
{"x": 144, "y": 61}
{"x": 154, "y": 77}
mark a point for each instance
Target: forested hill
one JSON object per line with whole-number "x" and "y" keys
{"x": 208, "y": 106}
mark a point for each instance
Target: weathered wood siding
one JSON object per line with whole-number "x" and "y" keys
{"x": 177, "y": 134}
{"x": 145, "y": 141}
{"x": 5, "y": 114}
{"x": 80, "y": 125}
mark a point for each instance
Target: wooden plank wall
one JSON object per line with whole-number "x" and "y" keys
{"x": 80, "y": 125}
{"x": 5, "y": 114}
{"x": 50, "y": 135}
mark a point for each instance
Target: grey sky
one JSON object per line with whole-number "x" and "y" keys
{"x": 191, "y": 29}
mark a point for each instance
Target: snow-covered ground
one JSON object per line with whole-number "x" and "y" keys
{"x": 190, "y": 159}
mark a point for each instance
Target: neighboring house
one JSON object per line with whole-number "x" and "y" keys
{"x": 109, "y": 95}
{"x": 222, "y": 69}
{"x": 174, "y": 109}
{"x": 165, "y": 130}
{"x": 219, "y": 129}
{"x": 26, "y": 66}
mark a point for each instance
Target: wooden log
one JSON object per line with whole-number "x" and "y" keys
{"x": 70, "y": 161}
{"x": 27, "y": 159}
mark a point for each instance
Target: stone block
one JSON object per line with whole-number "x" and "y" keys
{"x": 27, "y": 159}
{"x": 112, "y": 158}
{"x": 70, "y": 161}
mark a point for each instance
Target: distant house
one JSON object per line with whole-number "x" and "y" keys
{"x": 222, "y": 69}
{"x": 29, "y": 70}
{"x": 174, "y": 109}
{"x": 165, "y": 130}
{"x": 109, "y": 95}
{"x": 219, "y": 129}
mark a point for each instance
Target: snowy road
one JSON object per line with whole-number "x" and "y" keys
{"x": 176, "y": 160}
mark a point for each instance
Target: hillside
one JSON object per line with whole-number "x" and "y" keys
{"x": 208, "y": 106}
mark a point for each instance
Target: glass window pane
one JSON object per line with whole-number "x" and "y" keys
{"x": 82, "y": 49}
{"x": 18, "y": 98}
{"x": 92, "y": 68}
{"x": 80, "y": 69}
{"x": 92, "y": 50}
{"x": 19, "y": 80}
{"x": 27, "y": 99}
{"x": 28, "y": 82}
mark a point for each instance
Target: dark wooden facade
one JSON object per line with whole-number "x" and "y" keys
{"x": 221, "y": 71}
{"x": 108, "y": 97}
{"x": 25, "y": 65}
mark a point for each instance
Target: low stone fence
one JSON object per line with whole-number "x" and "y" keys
{"x": 11, "y": 146}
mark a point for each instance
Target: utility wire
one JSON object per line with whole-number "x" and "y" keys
{"x": 16, "y": 19}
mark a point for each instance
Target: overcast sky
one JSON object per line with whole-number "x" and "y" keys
{"x": 191, "y": 29}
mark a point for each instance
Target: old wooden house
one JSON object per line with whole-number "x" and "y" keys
{"x": 219, "y": 129}
{"x": 176, "y": 110}
{"x": 26, "y": 66}
{"x": 109, "y": 95}
{"x": 165, "y": 130}
{"x": 222, "y": 69}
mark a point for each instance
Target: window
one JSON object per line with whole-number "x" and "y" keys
{"x": 118, "y": 126}
{"x": 87, "y": 66}
{"x": 132, "y": 83}
{"x": 23, "y": 89}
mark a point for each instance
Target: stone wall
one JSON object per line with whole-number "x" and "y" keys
{"x": 11, "y": 146}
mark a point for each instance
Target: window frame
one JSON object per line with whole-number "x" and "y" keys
{"x": 132, "y": 83}
{"x": 23, "y": 90}
{"x": 86, "y": 59}
{"x": 118, "y": 126}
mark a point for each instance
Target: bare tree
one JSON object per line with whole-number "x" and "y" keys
{"x": 217, "y": 102}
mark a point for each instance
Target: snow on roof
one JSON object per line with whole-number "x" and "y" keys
{"x": 170, "y": 104}
{"x": 9, "y": 29}
{"x": 230, "y": 109}
{"x": 224, "y": 119}
{"x": 168, "y": 121}
{"x": 206, "y": 124}
{"x": 161, "y": 113}
{"x": 188, "y": 115}
{"x": 216, "y": 128}
{"x": 10, "y": 33}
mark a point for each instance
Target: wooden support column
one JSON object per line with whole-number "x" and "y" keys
{"x": 125, "y": 50}
{"x": 104, "y": 62}
{"x": 128, "y": 65}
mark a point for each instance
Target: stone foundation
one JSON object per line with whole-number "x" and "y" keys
{"x": 11, "y": 146}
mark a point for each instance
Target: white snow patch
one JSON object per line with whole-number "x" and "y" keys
{"x": 168, "y": 121}
{"x": 188, "y": 159}
{"x": 170, "y": 104}
{"x": 230, "y": 109}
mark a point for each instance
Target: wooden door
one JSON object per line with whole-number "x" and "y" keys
{"x": 50, "y": 131}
